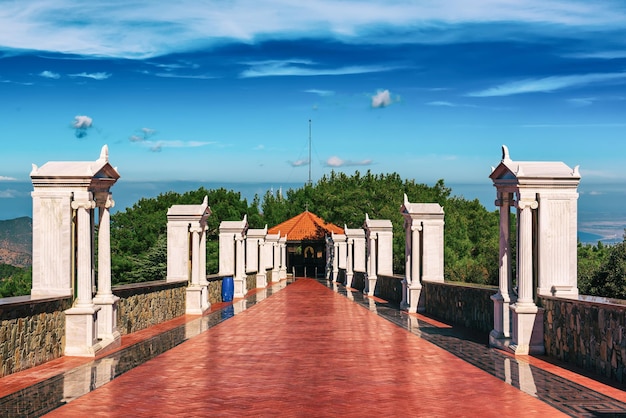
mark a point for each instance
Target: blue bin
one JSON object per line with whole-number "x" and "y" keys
{"x": 228, "y": 289}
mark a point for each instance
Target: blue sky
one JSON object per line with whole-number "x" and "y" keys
{"x": 223, "y": 91}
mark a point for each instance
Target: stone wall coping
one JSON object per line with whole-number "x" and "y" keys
{"x": 462, "y": 284}
{"x": 146, "y": 287}
{"x": 28, "y": 300}
{"x": 591, "y": 301}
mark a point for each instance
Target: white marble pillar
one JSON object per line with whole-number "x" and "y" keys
{"x": 415, "y": 287}
{"x": 502, "y": 299}
{"x": 261, "y": 275}
{"x": 81, "y": 331}
{"x": 202, "y": 274}
{"x": 197, "y": 299}
{"x": 527, "y": 337}
{"x": 371, "y": 271}
{"x": 282, "y": 272}
{"x": 525, "y": 249}
{"x": 239, "y": 281}
{"x": 349, "y": 261}
{"x": 107, "y": 316}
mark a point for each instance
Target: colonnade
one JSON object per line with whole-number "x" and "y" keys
{"x": 65, "y": 196}
{"x": 245, "y": 251}
{"x": 545, "y": 196}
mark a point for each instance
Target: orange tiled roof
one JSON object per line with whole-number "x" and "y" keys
{"x": 306, "y": 226}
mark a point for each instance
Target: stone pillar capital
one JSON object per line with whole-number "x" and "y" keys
{"x": 416, "y": 228}
{"x": 527, "y": 204}
{"x": 83, "y": 204}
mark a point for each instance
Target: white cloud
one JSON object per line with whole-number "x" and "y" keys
{"x": 322, "y": 93}
{"x": 157, "y": 146}
{"x": 299, "y": 163}
{"x": 50, "y": 74}
{"x": 144, "y": 28}
{"x": 9, "y": 194}
{"x": 582, "y": 101}
{"x": 548, "y": 84}
{"x": 95, "y": 76}
{"x": 305, "y": 68}
{"x": 5, "y": 178}
{"x": 82, "y": 122}
{"x": 381, "y": 99}
{"x": 606, "y": 55}
{"x": 335, "y": 161}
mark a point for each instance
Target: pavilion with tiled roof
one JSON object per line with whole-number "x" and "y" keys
{"x": 306, "y": 242}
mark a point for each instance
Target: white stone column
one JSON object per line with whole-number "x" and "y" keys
{"x": 282, "y": 273}
{"x": 202, "y": 274}
{"x": 527, "y": 337}
{"x": 415, "y": 287}
{"x": 197, "y": 300}
{"x": 525, "y": 249}
{"x": 335, "y": 260}
{"x": 81, "y": 331}
{"x": 502, "y": 299}
{"x": 371, "y": 271}
{"x": 84, "y": 249}
{"x": 349, "y": 261}
{"x": 261, "y": 276}
{"x": 107, "y": 316}
{"x": 239, "y": 281}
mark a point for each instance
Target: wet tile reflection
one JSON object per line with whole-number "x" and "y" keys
{"x": 59, "y": 390}
{"x": 563, "y": 394}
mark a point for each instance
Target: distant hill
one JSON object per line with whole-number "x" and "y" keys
{"x": 16, "y": 242}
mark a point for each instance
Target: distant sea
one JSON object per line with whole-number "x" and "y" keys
{"x": 601, "y": 207}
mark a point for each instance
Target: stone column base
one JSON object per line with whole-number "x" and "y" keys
{"x": 197, "y": 300}
{"x": 527, "y": 335}
{"x": 239, "y": 285}
{"x": 81, "y": 331}
{"x": 371, "y": 285}
{"x": 261, "y": 281}
{"x": 349, "y": 277}
{"x": 416, "y": 299}
{"x": 107, "y": 320}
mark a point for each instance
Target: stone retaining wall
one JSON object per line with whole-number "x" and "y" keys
{"x": 389, "y": 288}
{"x": 461, "y": 304}
{"x": 31, "y": 332}
{"x": 143, "y": 305}
{"x": 588, "y": 334}
{"x": 358, "y": 281}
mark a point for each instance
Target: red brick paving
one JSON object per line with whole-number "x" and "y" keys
{"x": 306, "y": 351}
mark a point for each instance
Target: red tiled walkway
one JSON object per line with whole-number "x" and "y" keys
{"x": 306, "y": 351}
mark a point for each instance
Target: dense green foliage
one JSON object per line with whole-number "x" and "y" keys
{"x": 602, "y": 270}
{"x": 138, "y": 234}
{"x": 15, "y": 281}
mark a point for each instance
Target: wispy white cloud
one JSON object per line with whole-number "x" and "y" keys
{"x": 158, "y": 146}
{"x": 322, "y": 93}
{"x": 606, "y": 55}
{"x": 50, "y": 74}
{"x": 582, "y": 101}
{"x": 189, "y": 76}
{"x": 95, "y": 76}
{"x": 299, "y": 163}
{"x": 335, "y": 161}
{"x": 9, "y": 194}
{"x": 5, "y": 178}
{"x": 144, "y": 28}
{"x": 443, "y": 103}
{"x": 548, "y": 84}
{"x": 305, "y": 68}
